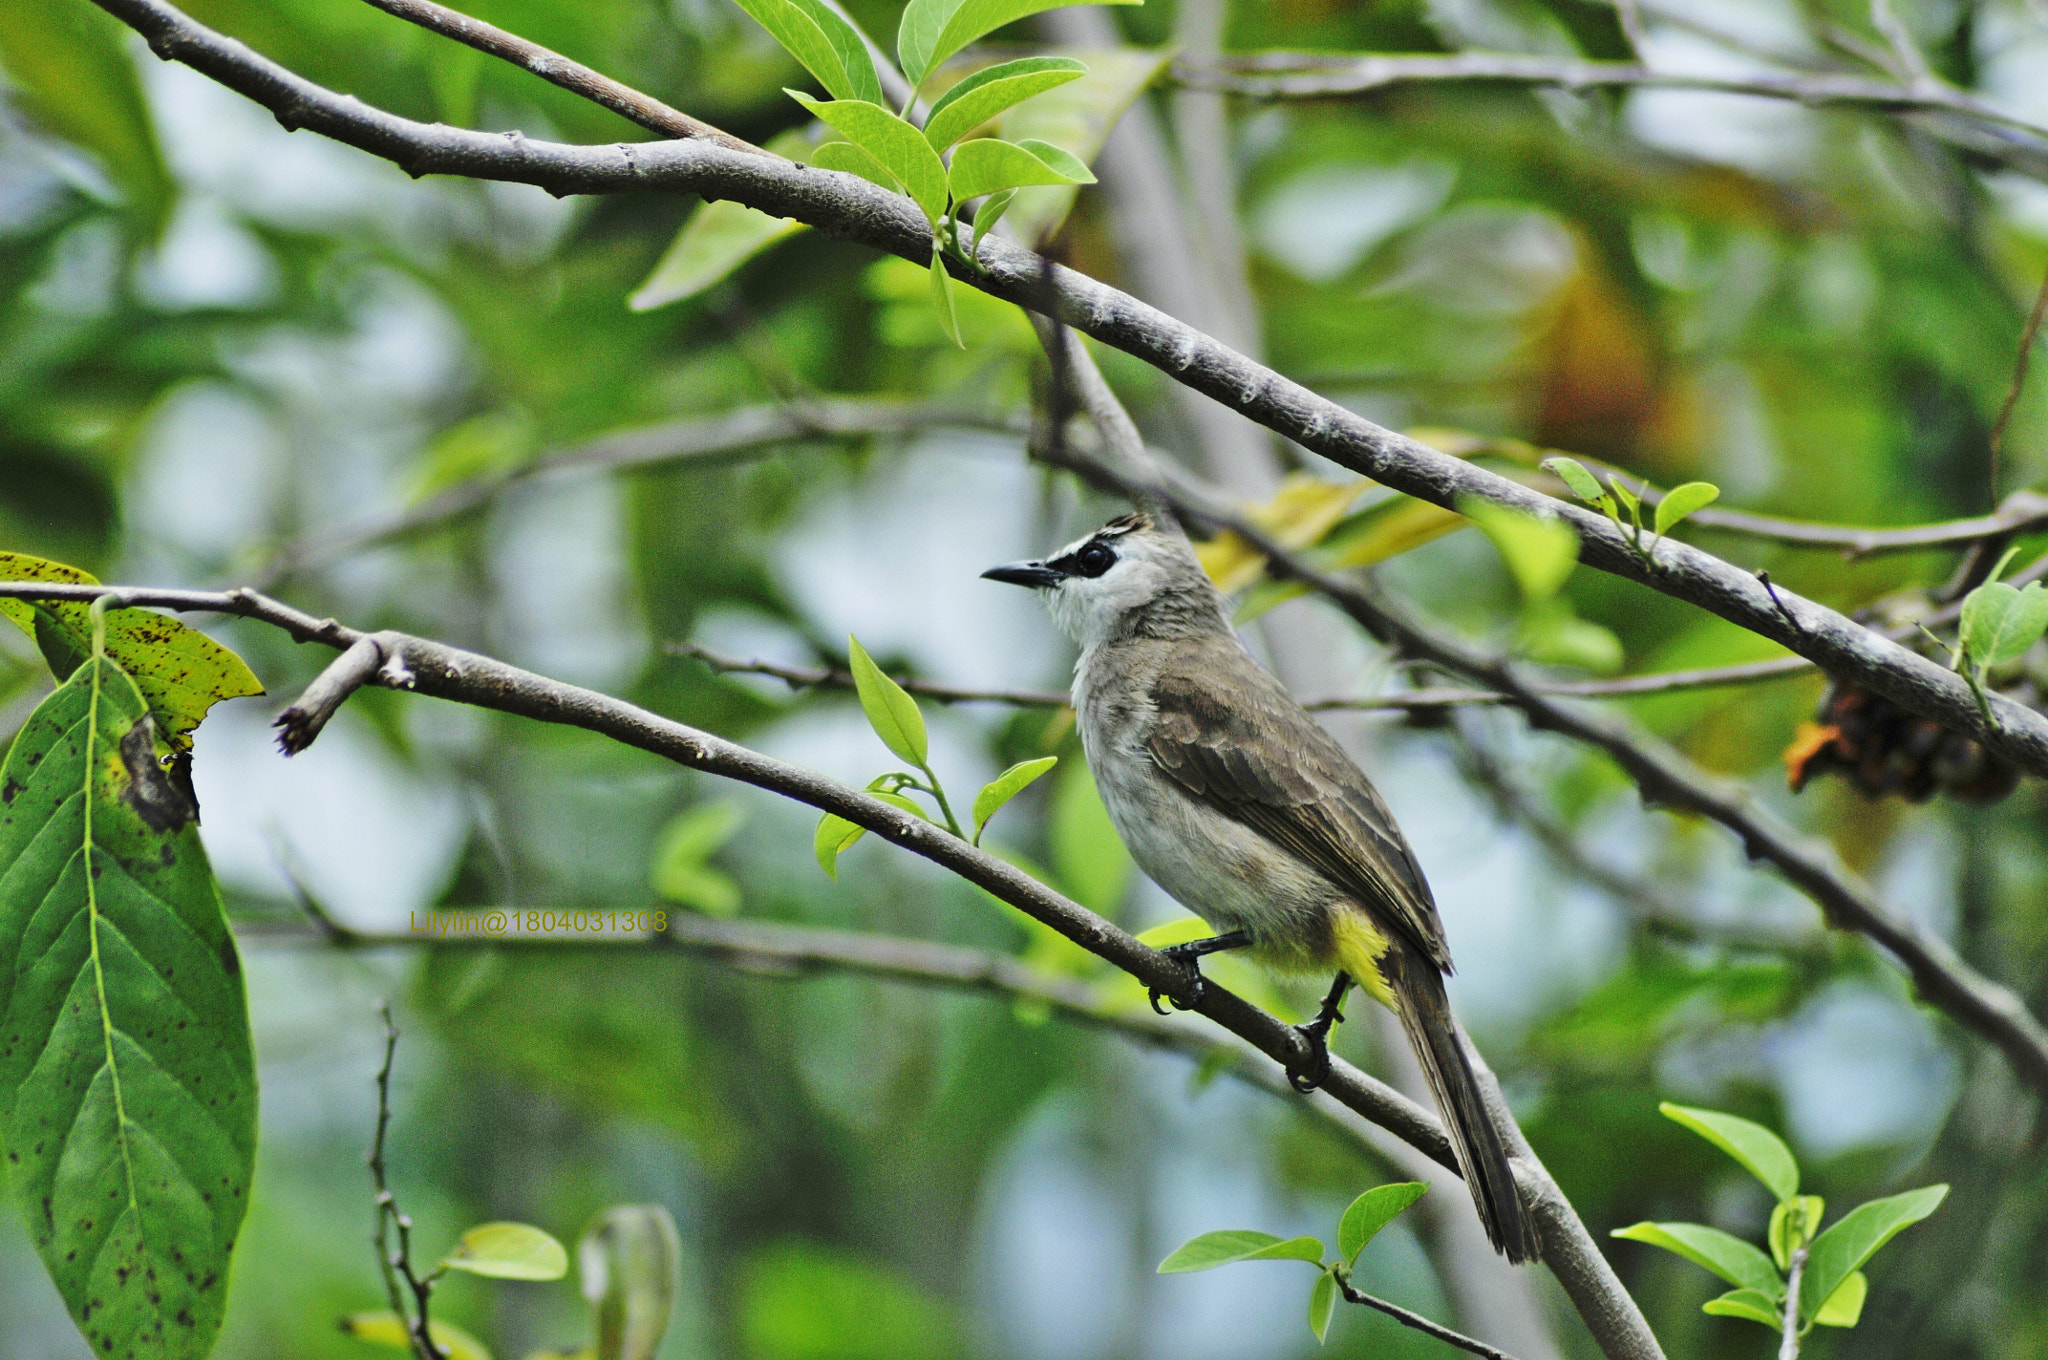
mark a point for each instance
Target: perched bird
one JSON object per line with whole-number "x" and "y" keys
{"x": 1243, "y": 808}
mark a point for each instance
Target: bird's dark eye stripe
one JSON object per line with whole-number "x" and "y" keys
{"x": 1091, "y": 559}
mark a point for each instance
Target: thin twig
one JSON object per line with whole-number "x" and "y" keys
{"x": 853, "y": 209}
{"x": 1788, "y": 1341}
{"x": 1414, "y": 700}
{"x": 1912, "y": 62}
{"x": 557, "y": 69}
{"x": 716, "y": 440}
{"x": 396, "y": 1264}
{"x": 1631, "y": 15}
{"x": 1341, "y": 75}
{"x": 2019, "y": 377}
{"x": 1418, "y": 1321}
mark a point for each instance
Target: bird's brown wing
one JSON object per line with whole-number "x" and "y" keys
{"x": 1227, "y": 733}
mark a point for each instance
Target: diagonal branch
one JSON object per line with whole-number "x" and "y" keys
{"x": 1990, "y": 1009}
{"x": 850, "y": 208}
{"x": 451, "y": 673}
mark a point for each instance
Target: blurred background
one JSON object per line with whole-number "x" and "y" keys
{"x": 233, "y": 355}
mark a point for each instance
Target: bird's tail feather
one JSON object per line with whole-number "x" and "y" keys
{"x": 1482, "y": 1156}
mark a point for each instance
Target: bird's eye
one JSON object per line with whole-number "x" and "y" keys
{"x": 1094, "y": 560}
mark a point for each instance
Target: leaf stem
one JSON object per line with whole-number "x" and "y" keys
{"x": 945, "y": 808}
{"x": 1788, "y": 1346}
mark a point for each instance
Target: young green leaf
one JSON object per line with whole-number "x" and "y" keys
{"x": 988, "y": 92}
{"x": 1628, "y": 499}
{"x": 1006, "y": 786}
{"x": 891, "y": 712}
{"x": 1573, "y": 474}
{"x": 834, "y": 836}
{"x": 386, "y": 1328}
{"x": 509, "y": 1251}
{"x": 826, "y": 44}
{"x": 1842, "y": 1250}
{"x": 1733, "y": 1259}
{"x": 1230, "y": 1245}
{"x": 1762, "y": 1153}
{"x": 1792, "y": 1225}
{"x": 942, "y": 298}
{"x": 933, "y": 30}
{"x": 1681, "y": 501}
{"x": 992, "y": 210}
{"x": 987, "y": 165}
{"x": 901, "y": 148}
{"x": 1844, "y": 1307}
{"x": 130, "y": 1139}
{"x": 1999, "y": 623}
{"x": 854, "y": 161}
{"x": 181, "y": 671}
{"x": 1555, "y": 636}
{"x": 1078, "y": 117}
{"x": 630, "y": 1261}
{"x": 718, "y": 238}
{"x": 1540, "y": 552}
{"x": 1370, "y": 1212}
{"x": 1322, "y": 1302}
{"x": 1745, "y": 1303}
{"x": 680, "y": 873}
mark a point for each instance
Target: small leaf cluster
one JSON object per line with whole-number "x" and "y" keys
{"x": 897, "y": 720}
{"x": 682, "y": 872}
{"x": 1540, "y": 554}
{"x": 1677, "y": 503}
{"x": 1362, "y": 1221}
{"x": 1999, "y": 625}
{"x": 884, "y": 147}
{"x": 630, "y": 1262}
{"x": 1828, "y": 1265}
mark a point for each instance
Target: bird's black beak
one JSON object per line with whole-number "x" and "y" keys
{"x": 1025, "y": 574}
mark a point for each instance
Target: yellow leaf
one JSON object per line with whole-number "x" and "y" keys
{"x": 1303, "y": 510}
{"x": 385, "y": 1329}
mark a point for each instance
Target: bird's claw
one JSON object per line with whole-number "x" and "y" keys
{"x": 1196, "y": 985}
{"x": 1316, "y": 1033}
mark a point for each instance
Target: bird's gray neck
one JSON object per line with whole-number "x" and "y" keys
{"x": 1173, "y": 616}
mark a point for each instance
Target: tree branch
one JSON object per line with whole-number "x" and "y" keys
{"x": 852, "y": 209}
{"x": 1418, "y": 1322}
{"x": 556, "y": 69}
{"x": 1336, "y": 75}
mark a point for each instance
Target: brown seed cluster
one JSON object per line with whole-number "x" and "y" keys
{"x": 1884, "y": 750}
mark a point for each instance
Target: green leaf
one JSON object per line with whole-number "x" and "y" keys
{"x": 717, "y": 239}
{"x": 1370, "y": 1212}
{"x": 854, "y": 161}
{"x": 891, "y": 712}
{"x": 1078, "y": 117}
{"x": 1745, "y": 1303}
{"x": 1793, "y": 1225}
{"x": 1762, "y": 1153}
{"x": 988, "y": 92}
{"x": 900, "y": 148}
{"x": 1844, "y": 1307}
{"x": 1556, "y": 636}
{"x": 1628, "y": 499}
{"x": 387, "y": 1329}
{"x": 828, "y": 46}
{"x": 509, "y": 1251}
{"x": 1573, "y": 474}
{"x": 68, "y": 66}
{"x": 1230, "y": 1245}
{"x": 1681, "y": 501}
{"x": 679, "y": 870}
{"x": 1540, "y": 552}
{"x": 1733, "y": 1259}
{"x": 127, "y": 1082}
{"x": 832, "y": 839}
{"x": 1006, "y": 786}
{"x": 1999, "y": 623}
{"x": 181, "y": 671}
{"x": 942, "y": 298}
{"x": 992, "y": 210}
{"x": 1842, "y": 1250}
{"x": 1322, "y": 1302}
{"x": 631, "y": 1264}
{"x": 987, "y": 165}
{"x": 933, "y": 30}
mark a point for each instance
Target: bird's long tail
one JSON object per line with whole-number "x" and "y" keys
{"x": 1482, "y": 1157}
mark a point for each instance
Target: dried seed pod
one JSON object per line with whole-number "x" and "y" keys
{"x": 1884, "y": 750}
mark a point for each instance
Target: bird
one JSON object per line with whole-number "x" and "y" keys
{"x": 1244, "y": 809}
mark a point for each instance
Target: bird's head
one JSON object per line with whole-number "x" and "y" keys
{"x": 1128, "y": 578}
